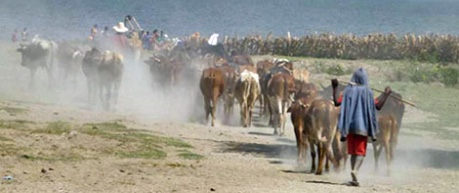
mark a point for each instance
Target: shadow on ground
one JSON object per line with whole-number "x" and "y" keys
{"x": 431, "y": 158}
{"x": 264, "y": 150}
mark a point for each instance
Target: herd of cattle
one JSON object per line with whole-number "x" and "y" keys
{"x": 275, "y": 84}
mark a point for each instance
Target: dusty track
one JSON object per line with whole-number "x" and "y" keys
{"x": 236, "y": 159}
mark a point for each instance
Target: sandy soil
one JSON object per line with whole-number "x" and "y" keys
{"x": 236, "y": 159}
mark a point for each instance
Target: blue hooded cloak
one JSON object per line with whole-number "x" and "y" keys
{"x": 358, "y": 110}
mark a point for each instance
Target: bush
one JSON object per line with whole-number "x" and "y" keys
{"x": 446, "y": 75}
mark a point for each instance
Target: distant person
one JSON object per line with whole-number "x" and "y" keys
{"x": 105, "y": 32}
{"x": 146, "y": 40}
{"x": 154, "y": 40}
{"x": 93, "y": 32}
{"x": 120, "y": 39}
{"x": 14, "y": 37}
{"x": 24, "y": 35}
{"x": 357, "y": 119}
{"x": 215, "y": 48}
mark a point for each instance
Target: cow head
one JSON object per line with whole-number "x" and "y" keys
{"x": 93, "y": 56}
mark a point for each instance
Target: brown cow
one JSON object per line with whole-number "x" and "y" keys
{"x": 305, "y": 90}
{"x": 280, "y": 89}
{"x": 297, "y": 113}
{"x": 388, "y": 131}
{"x": 212, "y": 85}
{"x": 231, "y": 78}
{"x": 247, "y": 91}
{"x": 165, "y": 69}
{"x": 263, "y": 68}
{"x": 104, "y": 72}
{"x": 320, "y": 129}
{"x": 389, "y": 121}
{"x": 110, "y": 73}
{"x": 282, "y": 66}
{"x": 301, "y": 75}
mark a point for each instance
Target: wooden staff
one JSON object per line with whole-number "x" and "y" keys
{"x": 395, "y": 97}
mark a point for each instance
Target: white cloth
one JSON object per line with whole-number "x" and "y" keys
{"x": 213, "y": 40}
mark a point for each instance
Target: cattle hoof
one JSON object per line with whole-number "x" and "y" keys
{"x": 319, "y": 173}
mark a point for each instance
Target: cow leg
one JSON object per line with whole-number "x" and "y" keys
{"x": 207, "y": 108}
{"x": 321, "y": 158}
{"x": 260, "y": 100}
{"x": 251, "y": 108}
{"x": 299, "y": 144}
{"x": 327, "y": 164}
{"x": 313, "y": 157}
{"x": 388, "y": 157}
{"x": 214, "y": 107}
{"x": 270, "y": 111}
{"x": 376, "y": 155}
{"x": 330, "y": 157}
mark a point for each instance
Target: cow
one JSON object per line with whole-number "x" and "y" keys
{"x": 297, "y": 112}
{"x": 39, "y": 53}
{"x": 280, "y": 91}
{"x": 231, "y": 77}
{"x": 320, "y": 125}
{"x": 69, "y": 60}
{"x": 263, "y": 68}
{"x": 301, "y": 75}
{"x": 110, "y": 73}
{"x": 212, "y": 85}
{"x": 241, "y": 59}
{"x": 389, "y": 122}
{"x": 103, "y": 71}
{"x": 304, "y": 89}
{"x": 282, "y": 66}
{"x": 165, "y": 70}
{"x": 90, "y": 66}
{"x": 387, "y": 136}
{"x": 247, "y": 91}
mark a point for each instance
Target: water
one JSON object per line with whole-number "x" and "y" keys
{"x": 64, "y": 19}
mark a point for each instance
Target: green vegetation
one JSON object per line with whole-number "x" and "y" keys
{"x": 130, "y": 143}
{"x": 54, "y": 157}
{"x": 13, "y": 110}
{"x": 15, "y": 124}
{"x": 190, "y": 156}
{"x": 55, "y": 128}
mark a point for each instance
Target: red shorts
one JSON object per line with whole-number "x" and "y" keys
{"x": 357, "y": 144}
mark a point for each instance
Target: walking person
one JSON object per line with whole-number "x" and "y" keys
{"x": 357, "y": 119}
{"x": 93, "y": 33}
{"x": 120, "y": 39}
{"x": 24, "y": 35}
{"x": 14, "y": 36}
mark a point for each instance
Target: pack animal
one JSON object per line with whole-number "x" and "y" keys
{"x": 212, "y": 85}
{"x": 39, "y": 53}
{"x": 247, "y": 91}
